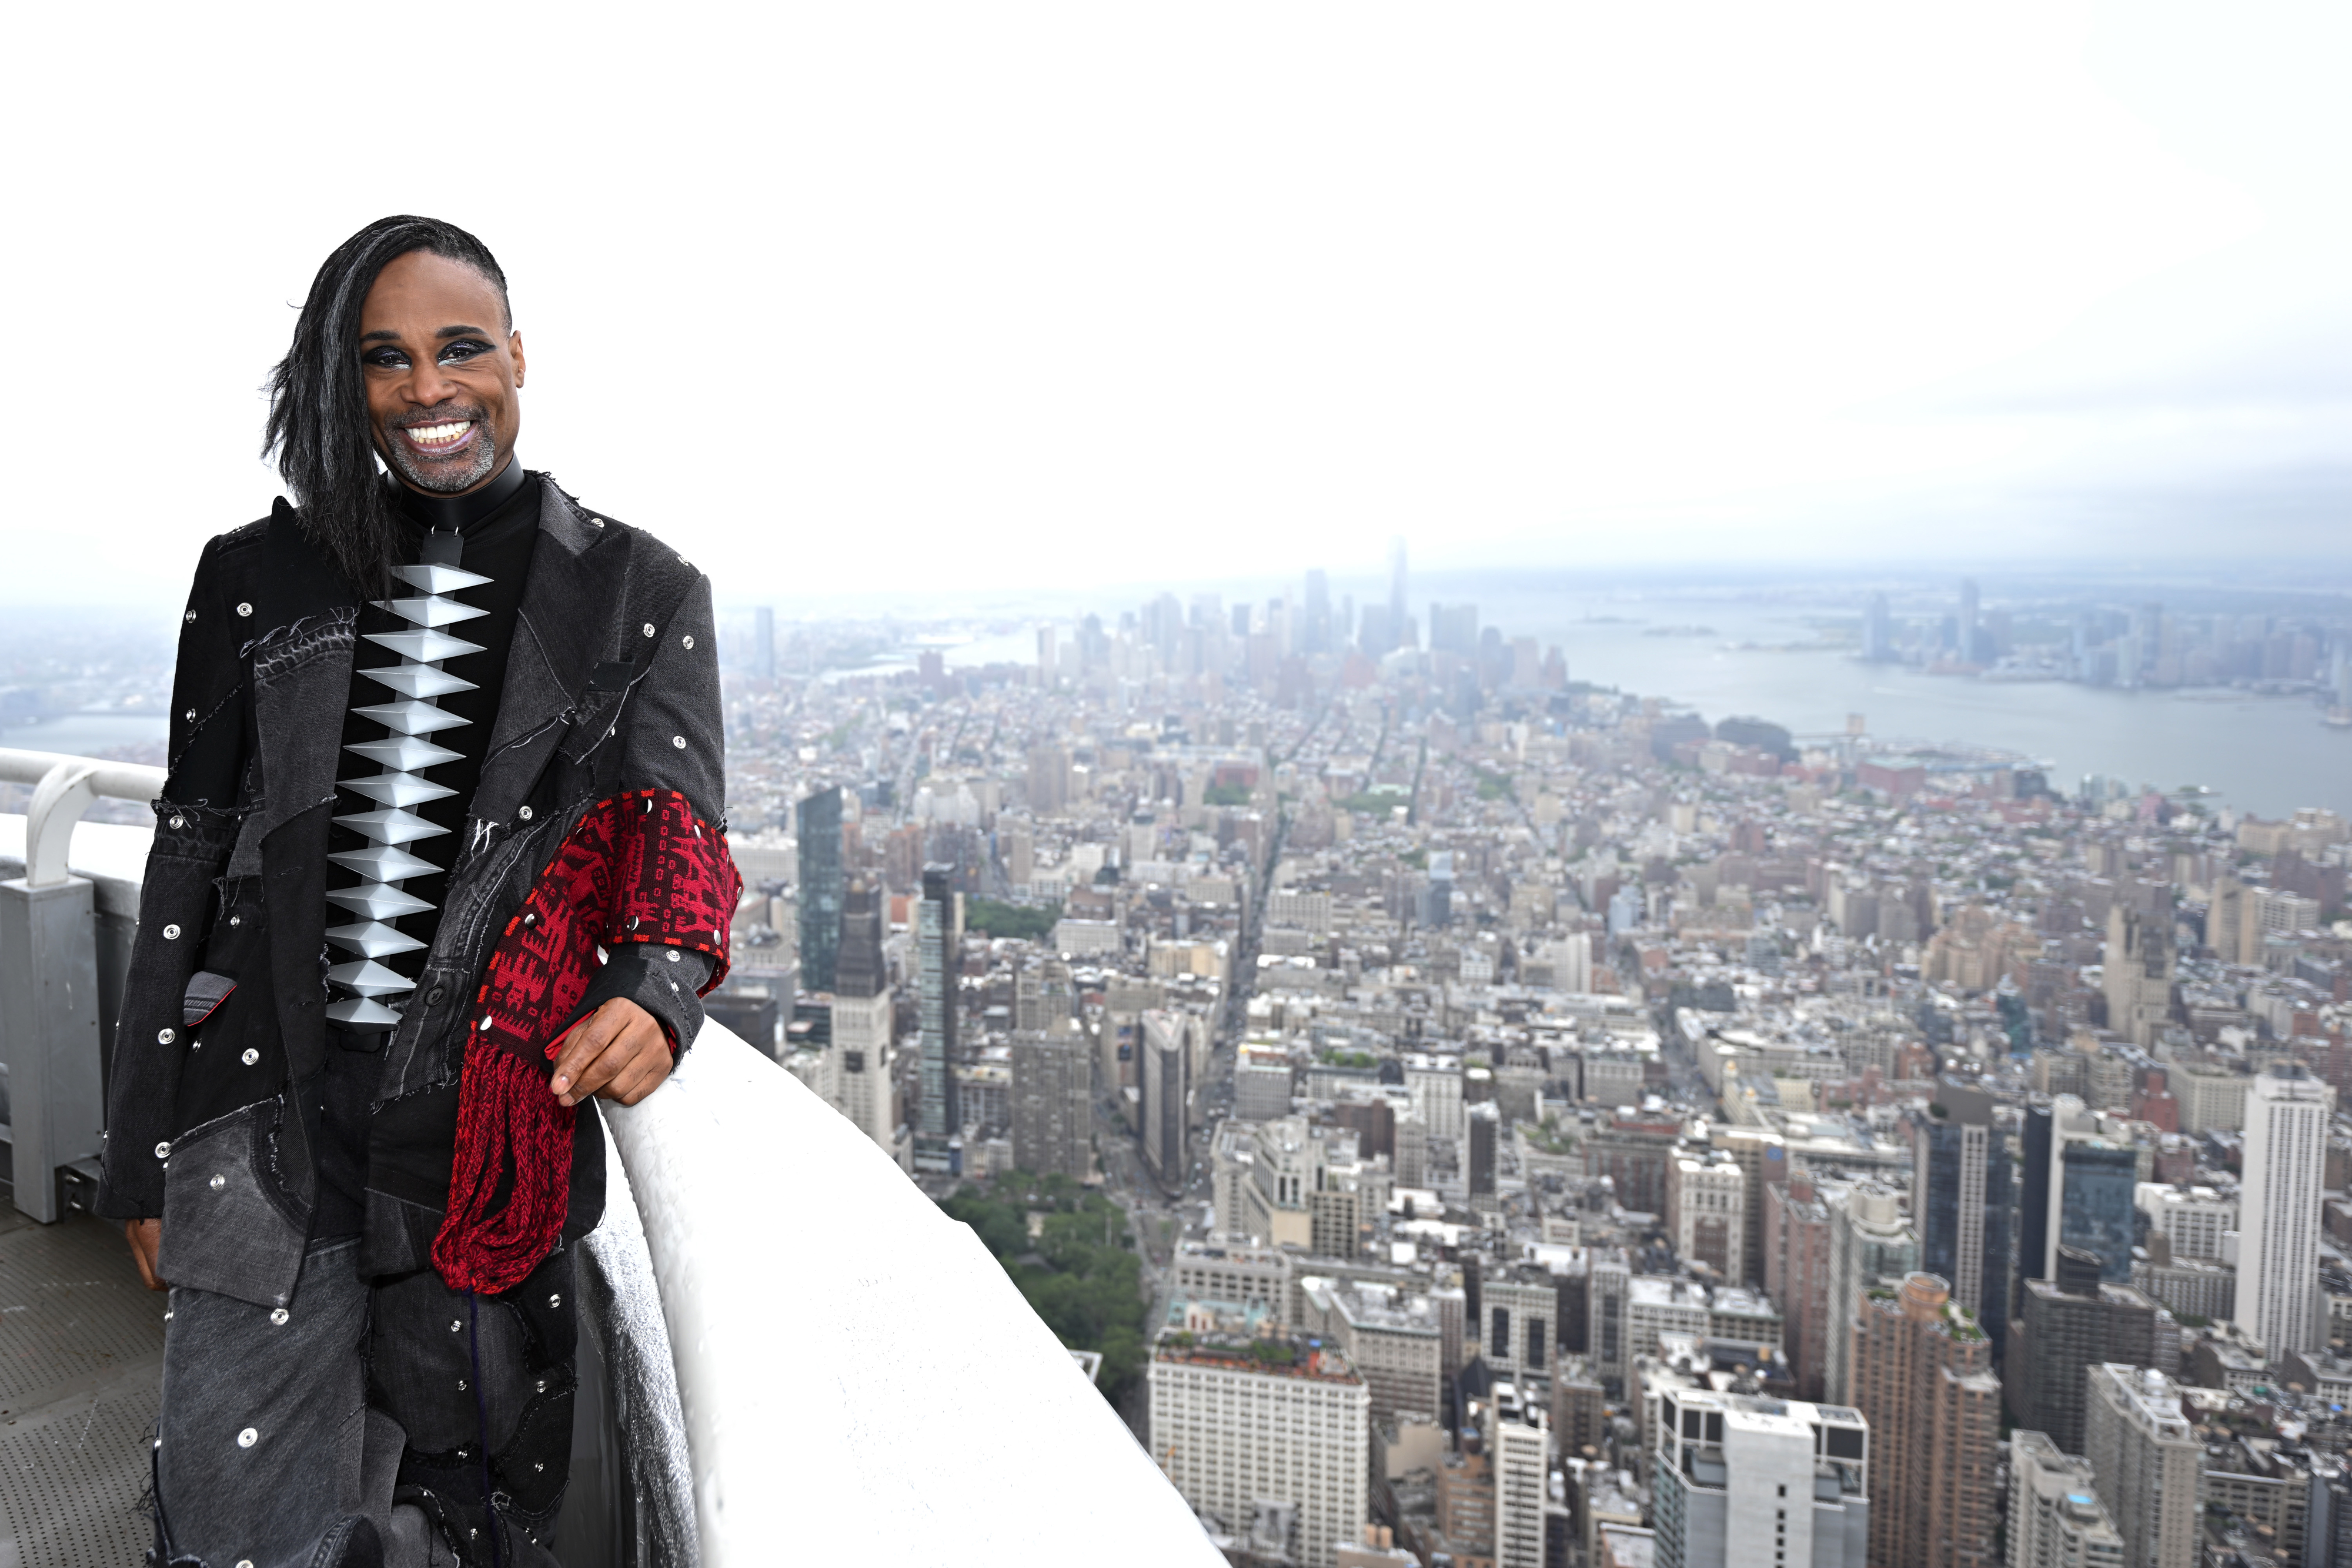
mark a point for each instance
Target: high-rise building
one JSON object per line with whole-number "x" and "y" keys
{"x": 817, "y": 824}
{"x": 2287, "y": 1114}
{"x": 763, "y": 643}
{"x": 1047, "y": 779}
{"x": 1961, "y": 1202}
{"x": 1735, "y": 1471}
{"x": 1968, "y": 648}
{"x": 1797, "y": 1275}
{"x": 1515, "y": 1442}
{"x": 859, "y": 1057}
{"x": 1706, "y": 1204}
{"x": 1236, "y": 1419}
{"x": 1869, "y": 1243}
{"x": 1877, "y": 631}
{"x": 1043, "y": 998}
{"x": 2098, "y": 1176}
{"x": 1763, "y": 1160}
{"x": 2055, "y": 1517}
{"x": 2144, "y": 1463}
{"x": 1609, "y": 1291}
{"x": 1397, "y": 623}
{"x": 1521, "y": 1323}
{"x": 1923, "y": 1380}
{"x": 1483, "y": 1121}
{"x": 1053, "y": 1102}
{"x": 2072, "y": 1323}
{"x": 1164, "y": 1097}
{"x": 939, "y": 940}
{"x": 1316, "y": 637}
{"x": 2136, "y": 970}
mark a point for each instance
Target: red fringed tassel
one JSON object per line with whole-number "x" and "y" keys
{"x": 507, "y": 1121}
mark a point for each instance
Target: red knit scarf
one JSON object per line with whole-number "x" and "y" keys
{"x": 640, "y": 867}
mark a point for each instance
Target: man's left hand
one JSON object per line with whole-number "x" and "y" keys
{"x": 617, "y": 1052}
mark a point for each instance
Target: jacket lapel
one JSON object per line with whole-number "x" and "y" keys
{"x": 566, "y": 627}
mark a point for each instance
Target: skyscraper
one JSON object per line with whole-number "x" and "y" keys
{"x": 763, "y": 643}
{"x": 1316, "y": 637}
{"x": 1961, "y": 1199}
{"x": 1797, "y": 1276}
{"x": 1922, "y": 1379}
{"x": 1164, "y": 1093}
{"x": 2145, "y": 1461}
{"x": 2098, "y": 1179}
{"x": 2072, "y": 1323}
{"x": 817, "y": 823}
{"x": 859, "y": 1054}
{"x": 2136, "y": 970}
{"x": 2278, "y": 1209}
{"x": 1869, "y": 1242}
{"x": 1877, "y": 631}
{"x": 938, "y": 930}
{"x": 1516, "y": 1448}
{"x": 1052, "y": 1100}
{"x": 1735, "y": 1471}
{"x": 1397, "y": 638}
{"x": 1968, "y": 640}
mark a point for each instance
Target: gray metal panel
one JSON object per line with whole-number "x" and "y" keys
{"x": 48, "y": 1035}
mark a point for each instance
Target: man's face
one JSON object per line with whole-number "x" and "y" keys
{"x": 441, "y": 367}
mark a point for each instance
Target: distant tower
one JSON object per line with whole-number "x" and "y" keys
{"x": 937, "y": 933}
{"x": 1396, "y": 591}
{"x": 763, "y": 643}
{"x": 1877, "y": 631}
{"x": 1317, "y": 638}
{"x": 1968, "y": 618}
{"x": 817, "y": 823}
{"x": 2278, "y": 1214}
{"x": 858, "y": 1076}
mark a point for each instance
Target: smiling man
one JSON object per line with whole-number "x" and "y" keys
{"x": 441, "y": 860}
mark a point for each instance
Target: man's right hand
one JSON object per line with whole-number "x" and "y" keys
{"x": 146, "y": 1239}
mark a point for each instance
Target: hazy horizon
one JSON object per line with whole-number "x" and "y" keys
{"x": 1034, "y": 298}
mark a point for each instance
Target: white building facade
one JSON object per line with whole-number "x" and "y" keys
{"x": 1231, "y": 1430}
{"x": 2279, "y": 1200}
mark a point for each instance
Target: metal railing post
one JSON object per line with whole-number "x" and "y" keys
{"x": 49, "y": 997}
{"x": 49, "y": 1004}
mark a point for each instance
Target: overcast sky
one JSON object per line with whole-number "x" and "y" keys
{"x": 846, "y": 296}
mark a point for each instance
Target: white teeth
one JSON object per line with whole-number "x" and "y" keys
{"x": 436, "y": 435}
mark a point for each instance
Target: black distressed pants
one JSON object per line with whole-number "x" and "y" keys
{"x": 396, "y": 1422}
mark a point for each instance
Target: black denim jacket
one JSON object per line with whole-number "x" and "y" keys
{"x": 612, "y": 683}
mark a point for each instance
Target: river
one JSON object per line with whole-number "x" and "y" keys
{"x": 2267, "y": 755}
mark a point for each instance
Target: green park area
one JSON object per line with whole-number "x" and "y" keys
{"x": 1079, "y": 1272}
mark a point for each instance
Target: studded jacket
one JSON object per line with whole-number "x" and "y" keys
{"x": 611, "y": 701}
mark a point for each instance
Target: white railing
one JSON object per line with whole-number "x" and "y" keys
{"x": 803, "y": 1357}
{"x": 860, "y": 1381}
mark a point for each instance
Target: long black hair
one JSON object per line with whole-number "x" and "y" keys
{"x": 318, "y": 404}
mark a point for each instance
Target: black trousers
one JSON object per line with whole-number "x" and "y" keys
{"x": 392, "y": 1421}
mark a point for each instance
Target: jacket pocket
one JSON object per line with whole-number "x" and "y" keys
{"x": 205, "y": 994}
{"x": 222, "y": 1230}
